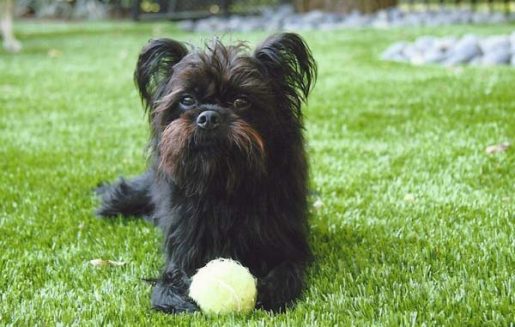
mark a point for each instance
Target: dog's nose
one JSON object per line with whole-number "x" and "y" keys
{"x": 208, "y": 119}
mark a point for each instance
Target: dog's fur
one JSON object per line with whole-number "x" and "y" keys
{"x": 235, "y": 191}
{"x": 10, "y": 43}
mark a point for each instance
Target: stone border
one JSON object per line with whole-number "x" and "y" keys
{"x": 449, "y": 51}
{"x": 285, "y": 18}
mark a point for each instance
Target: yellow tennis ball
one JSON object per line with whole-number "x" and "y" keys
{"x": 224, "y": 286}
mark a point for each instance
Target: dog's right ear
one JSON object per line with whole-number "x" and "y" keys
{"x": 155, "y": 68}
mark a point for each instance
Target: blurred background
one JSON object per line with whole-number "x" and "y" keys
{"x": 188, "y": 9}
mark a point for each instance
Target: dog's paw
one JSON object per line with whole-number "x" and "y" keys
{"x": 167, "y": 299}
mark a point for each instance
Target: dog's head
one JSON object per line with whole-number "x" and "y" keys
{"x": 219, "y": 111}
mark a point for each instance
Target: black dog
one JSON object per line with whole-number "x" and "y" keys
{"x": 228, "y": 172}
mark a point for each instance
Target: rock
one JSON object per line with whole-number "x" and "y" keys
{"x": 55, "y": 9}
{"x": 279, "y": 12}
{"x": 187, "y": 25}
{"x": 413, "y": 20}
{"x": 424, "y": 43}
{"x": 500, "y": 57}
{"x": 249, "y": 24}
{"x": 398, "y": 57}
{"x": 446, "y": 43}
{"x": 394, "y": 13}
{"x": 314, "y": 17}
{"x": 417, "y": 59}
{"x": 285, "y": 17}
{"x": 381, "y": 19}
{"x": 411, "y": 51}
{"x": 90, "y": 9}
{"x": 211, "y": 24}
{"x": 273, "y": 25}
{"x": 326, "y": 26}
{"x": 235, "y": 23}
{"x": 394, "y": 51}
{"x": 475, "y": 61}
{"x": 497, "y": 18}
{"x": 462, "y": 17}
{"x": 480, "y": 18}
{"x": 470, "y": 49}
{"x": 355, "y": 19}
{"x": 495, "y": 43}
{"x": 434, "y": 56}
{"x": 382, "y": 15}
{"x": 465, "y": 50}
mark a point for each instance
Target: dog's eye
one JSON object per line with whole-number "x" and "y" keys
{"x": 241, "y": 102}
{"x": 187, "y": 101}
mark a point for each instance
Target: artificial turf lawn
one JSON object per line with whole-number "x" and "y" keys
{"x": 414, "y": 222}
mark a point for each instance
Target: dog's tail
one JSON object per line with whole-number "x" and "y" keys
{"x": 129, "y": 198}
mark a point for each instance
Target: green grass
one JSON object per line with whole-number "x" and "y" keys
{"x": 416, "y": 224}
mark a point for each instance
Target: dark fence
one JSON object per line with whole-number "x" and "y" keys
{"x": 179, "y": 9}
{"x": 191, "y": 9}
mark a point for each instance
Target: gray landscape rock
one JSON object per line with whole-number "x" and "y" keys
{"x": 278, "y": 12}
{"x": 495, "y": 43}
{"x": 425, "y": 42}
{"x": 476, "y": 61}
{"x": 210, "y": 24}
{"x": 427, "y": 49}
{"x": 501, "y": 57}
{"x": 398, "y": 57}
{"x": 469, "y": 49}
{"x": 498, "y": 18}
{"x": 284, "y": 17}
{"x": 90, "y": 9}
{"x": 187, "y": 25}
{"x": 394, "y": 51}
{"x": 410, "y": 51}
{"x": 55, "y": 9}
{"x": 446, "y": 43}
{"x": 314, "y": 17}
{"x": 465, "y": 50}
{"x": 434, "y": 56}
{"x": 355, "y": 19}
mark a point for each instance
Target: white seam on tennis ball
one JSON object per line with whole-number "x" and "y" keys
{"x": 230, "y": 289}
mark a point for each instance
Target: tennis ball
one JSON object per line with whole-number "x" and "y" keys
{"x": 223, "y": 286}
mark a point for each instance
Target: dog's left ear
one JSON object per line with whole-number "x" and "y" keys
{"x": 288, "y": 62}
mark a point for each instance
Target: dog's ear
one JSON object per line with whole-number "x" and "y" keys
{"x": 155, "y": 68}
{"x": 288, "y": 61}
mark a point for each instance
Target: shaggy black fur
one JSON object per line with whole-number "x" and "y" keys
{"x": 227, "y": 175}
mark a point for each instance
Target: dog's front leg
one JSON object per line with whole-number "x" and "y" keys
{"x": 170, "y": 293}
{"x": 281, "y": 286}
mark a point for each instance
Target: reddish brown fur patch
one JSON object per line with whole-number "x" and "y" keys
{"x": 174, "y": 144}
{"x": 247, "y": 139}
{"x": 240, "y": 151}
